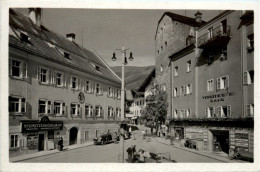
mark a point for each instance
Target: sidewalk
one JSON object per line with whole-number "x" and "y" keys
{"x": 49, "y": 152}
{"x": 218, "y": 156}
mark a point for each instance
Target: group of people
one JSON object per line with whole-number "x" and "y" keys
{"x": 139, "y": 156}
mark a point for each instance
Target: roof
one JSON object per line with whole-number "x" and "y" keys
{"x": 48, "y": 44}
{"x": 182, "y": 19}
{"x": 147, "y": 81}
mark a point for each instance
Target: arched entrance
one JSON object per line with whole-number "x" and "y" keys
{"x": 73, "y": 135}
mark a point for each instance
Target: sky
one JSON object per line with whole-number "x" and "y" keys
{"x": 106, "y": 30}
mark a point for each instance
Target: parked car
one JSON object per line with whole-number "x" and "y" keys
{"x": 103, "y": 139}
{"x": 155, "y": 158}
{"x": 240, "y": 153}
{"x": 190, "y": 143}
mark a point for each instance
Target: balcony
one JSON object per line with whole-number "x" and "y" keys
{"x": 218, "y": 37}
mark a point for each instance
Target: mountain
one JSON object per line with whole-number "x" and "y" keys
{"x": 134, "y": 76}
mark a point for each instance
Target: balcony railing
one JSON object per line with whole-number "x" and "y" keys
{"x": 215, "y": 37}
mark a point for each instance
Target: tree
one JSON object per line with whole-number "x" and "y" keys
{"x": 155, "y": 111}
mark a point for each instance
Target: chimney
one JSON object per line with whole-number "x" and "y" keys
{"x": 198, "y": 17}
{"x": 35, "y": 15}
{"x": 71, "y": 36}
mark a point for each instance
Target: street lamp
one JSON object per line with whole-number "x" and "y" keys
{"x": 124, "y": 62}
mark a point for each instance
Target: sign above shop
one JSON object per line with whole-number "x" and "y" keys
{"x": 218, "y": 97}
{"x": 43, "y": 125}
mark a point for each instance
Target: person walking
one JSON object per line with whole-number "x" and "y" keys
{"x": 172, "y": 138}
{"x": 143, "y": 133}
{"x": 130, "y": 154}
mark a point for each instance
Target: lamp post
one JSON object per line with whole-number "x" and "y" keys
{"x": 124, "y": 62}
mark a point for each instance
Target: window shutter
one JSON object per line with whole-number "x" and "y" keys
{"x": 50, "y": 77}
{"x": 190, "y": 88}
{"x": 214, "y": 112}
{"x": 79, "y": 84}
{"x": 218, "y": 84}
{"x": 227, "y": 80}
{"x": 70, "y": 81}
{"x": 93, "y": 87}
{"x": 54, "y": 77}
{"x": 245, "y": 78}
{"x": 219, "y": 111}
{"x": 71, "y": 109}
{"x": 10, "y": 67}
{"x": 24, "y": 70}
{"x": 78, "y": 109}
{"x": 49, "y": 107}
{"x": 39, "y": 73}
{"x": 38, "y": 106}
{"x": 228, "y": 111}
{"x": 23, "y": 107}
{"x": 206, "y": 112}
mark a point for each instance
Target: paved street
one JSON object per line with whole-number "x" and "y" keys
{"x": 110, "y": 152}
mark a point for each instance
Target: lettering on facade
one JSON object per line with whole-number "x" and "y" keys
{"x": 218, "y": 97}
{"x": 30, "y": 127}
{"x": 241, "y": 140}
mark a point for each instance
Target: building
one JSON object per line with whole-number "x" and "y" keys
{"x": 56, "y": 88}
{"x": 212, "y": 78}
{"x": 137, "y": 105}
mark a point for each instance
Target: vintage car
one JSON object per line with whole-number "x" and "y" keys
{"x": 155, "y": 158}
{"x": 190, "y": 143}
{"x": 242, "y": 154}
{"x": 103, "y": 139}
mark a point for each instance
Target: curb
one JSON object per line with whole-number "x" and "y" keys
{"x": 191, "y": 151}
{"x": 51, "y": 153}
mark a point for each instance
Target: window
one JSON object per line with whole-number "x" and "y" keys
{"x": 210, "y": 33}
{"x": 249, "y": 77}
{"x": 183, "y": 90}
{"x": 210, "y": 85}
{"x": 165, "y": 43}
{"x": 13, "y": 141}
{"x": 175, "y": 113}
{"x": 224, "y": 111}
{"x": 223, "y": 55}
{"x": 188, "y": 112}
{"x": 86, "y": 135}
{"x": 44, "y": 75}
{"x": 189, "y": 66}
{"x": 75, "y": 82}
{"x": 163, "y": 88}
{"x": 161, "y": 68}
{"x": 110, "y": 91}
{"x": 88, "y": 87}
{"x": 210, "y": 58}
{"x": 59, "y": 108}
{"x": 18, "y": 69}
{"x": 59, "y": 79}
{"x": 88, "y": 110}
{"x": 67, "y": 55}
{"x": 44, "y": 107}
{"x": 97, "y": 133}
{"x": 16, "y": 104}
{"x": 250, "y": 42}
{"x": 176, "y": 71}
{"x": 118, "y": 94}
{"x": 98, "y": 89}
{"x": 222, "y": 82}
{"x": 210, "y": 112}
{"x": 250, "y": 109}
{"x": 98, "y": 111}
{"x": 183, "y": 113}
{"x": 175, "y": 92}
{"x": 110, "y": 112}
{"x": 188, "y": 89}
{"x": 118, "y": 112}
{"x": 24, "y": 37}
{"x": 75, "y": 109}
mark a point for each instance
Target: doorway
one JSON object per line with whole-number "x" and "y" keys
{"x": 41, "y": 142}
{"x": 220, "y": 141}
{"x": 73, "y": 135}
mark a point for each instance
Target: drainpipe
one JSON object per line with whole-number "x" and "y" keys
{"x": 196, "y": 75}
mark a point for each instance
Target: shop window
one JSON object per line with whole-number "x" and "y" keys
{"x": 189, "y": 66}
{"x": 75, "y": 82}
{"x": 250, "y": 109}
{"x": 176, "y": 69}
{"x": 88, "y": 110}
{"x": 249, "y": 77}
{"x": 224, "y": 111}
{"x": 17, "y": 104}
{"x": 98, "y": 89}
{"x": 44, "y": 107}
{"x": 44, "y": 75}
{"x": 13, "y": 141}
{"x": 98, "y": 111}
{"x": 222, "y": 82}
{"x": 59, "y": 79}
{"x": 88, "y": 86}
{"x": 75, "y": 109}
{"x": 86, "y": 135}
{"x": 18, "y": 69}
{"x": 59, "y": 108}
{"x": 210, "y": 85}
{"x": 110, "y": 112}
{"x": 210, "y": 112}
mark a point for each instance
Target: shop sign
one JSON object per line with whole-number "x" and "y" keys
{"x": 42, "y": 125}
{"x": 218, "y": 97}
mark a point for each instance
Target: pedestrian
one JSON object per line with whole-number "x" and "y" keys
{"x": 141, "y": 157}
{"x": 133, "y": 152}
{"x": 115, "y": 137}
{"x": 172, "y": 138}
{"x": 60, "y": 143}
{"x": 143, "y": 133}
{"x": 130, "y": 154}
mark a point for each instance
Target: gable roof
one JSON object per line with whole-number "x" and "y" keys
{"x": 180, "y": 18}
{"x": 41, "y": 38}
